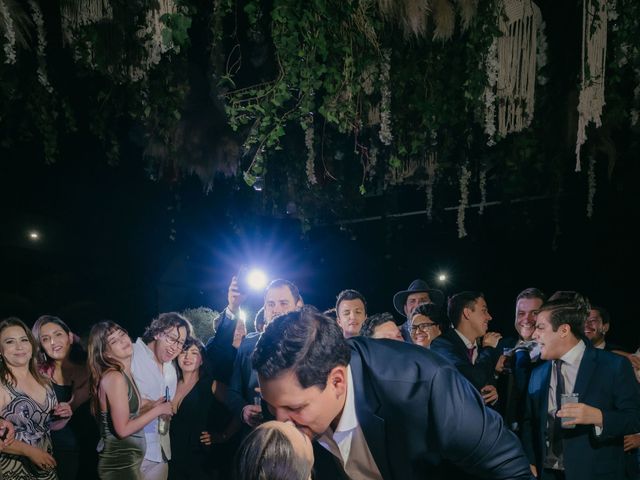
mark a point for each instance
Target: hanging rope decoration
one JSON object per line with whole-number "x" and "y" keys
{"x": 517, "y": 65}
{"x": 594, "y": 50}
{"x": 78, "y": 13}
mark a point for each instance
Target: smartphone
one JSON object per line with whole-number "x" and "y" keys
{"x": 243, "y": 283}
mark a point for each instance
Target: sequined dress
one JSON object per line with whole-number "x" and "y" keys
{"x": 31, "y": 421}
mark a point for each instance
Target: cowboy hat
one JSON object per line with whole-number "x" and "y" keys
{"x": 417, "y": 286}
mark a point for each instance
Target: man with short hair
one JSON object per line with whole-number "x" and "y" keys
{"x": 406, "y": 300}
{"x": 608, "y": 405}
{"x": 524, "y": 354}
{"x": 596, "y": 328}
{"x": 281, "y": 296}
{"x": 381, "y": 325}
{"x": 351, "y": 312}
{"x": 155, "y": 374}
{"x": 468, "y": 345}
{"x": 378, "y": 410}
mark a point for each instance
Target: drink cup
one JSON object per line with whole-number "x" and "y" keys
{"x": 564, "y": 399}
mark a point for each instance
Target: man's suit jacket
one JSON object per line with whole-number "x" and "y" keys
{"x": 416, "y": 412}
{"x": 244, "y": 379}
{"x": 481, "y": 373}
{"x": 605, "y": 381}
{"x": 220, "y": 350}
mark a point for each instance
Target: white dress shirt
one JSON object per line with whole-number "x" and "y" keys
{"x": 152, "y": 383}
{"x": 348, "y": 444}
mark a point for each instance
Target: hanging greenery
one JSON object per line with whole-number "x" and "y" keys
{"x": 319, "y": 105}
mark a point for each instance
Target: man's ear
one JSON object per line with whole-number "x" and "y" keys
{"x": 300, "y": 303}
{"x": 466, "y": 312}
{"x": 337, "y": 380}
{"x": 605, "y": 327}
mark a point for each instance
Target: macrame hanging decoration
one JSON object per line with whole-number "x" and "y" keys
{"x": 594, "y": 49}
{"x": 78, "y": 13}
{"x": 517, "y": 65}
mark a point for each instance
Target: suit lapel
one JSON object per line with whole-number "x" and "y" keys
{"x": 459, "y": 344}
{"x": 543, "y": 396}
{"x": 367, "y": 406}
{"x": 585, "y": 371}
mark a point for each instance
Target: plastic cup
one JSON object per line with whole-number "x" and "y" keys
{"x": 564, "y": 399}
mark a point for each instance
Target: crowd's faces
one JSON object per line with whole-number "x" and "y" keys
{"x": 119, "y": 346}
{"x": 15, "y": 346}
{"x": 277, "y": 301}
{"x": 526, "y": 317}
{"x": 553, "y": 345}
{"x": 351, "y": 315}
{"x": 311, "y": 409}
{"x": 478, "y": 317}
{"x": 55, "y": 341}
{"x": 594, "y": 328}
{"x": 300, "y": 442}
{"x": 387, "y": 330}
{"x": 413, "y": 300}
{"x": 190, "y": 360}
{"x": 423, "y": 330}
{"x": 168, "y": 344}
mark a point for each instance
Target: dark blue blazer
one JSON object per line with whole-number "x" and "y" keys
{"x": 244, "y": 379}
{"x": 481, "y": 373}
{"x": 605, "y": 381}
{"x": 220, "y": 350}
{"x": 417, "y": 412}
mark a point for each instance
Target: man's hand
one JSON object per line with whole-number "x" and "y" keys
{"x": 489, "y": 394}
{"x": 534, "y": 470}
{"x": 252, "y": 415}
{"x": 7, "y": 433}
{"x": 490, "y": 339}
{"x": 500, "y": 364}
{"x": 581, "y": 413}
{"x": 631, "y": 442}
{"x": 234, "y": 296}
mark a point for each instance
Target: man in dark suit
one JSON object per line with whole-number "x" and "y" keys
{"x": 468, "y": 346}
{"x": 281, "y": 296}
{"x": 379, "y": 409}
{"x": 608, "y": 406}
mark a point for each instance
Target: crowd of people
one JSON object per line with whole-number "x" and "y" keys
{"x": 299, "y": 393}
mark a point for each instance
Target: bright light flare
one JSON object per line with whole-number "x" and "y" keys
{"x": 34, "y": 235}
{"x": 442, "y": 277}
{"x": 257, "y": 279}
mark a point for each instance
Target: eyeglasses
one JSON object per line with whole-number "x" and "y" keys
{"x": 173, "y": 341}
{"x": 423, "y": 327}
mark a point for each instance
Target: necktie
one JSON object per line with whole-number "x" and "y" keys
{"x": 557, "y": 424}
{"x": 470, "y": 353}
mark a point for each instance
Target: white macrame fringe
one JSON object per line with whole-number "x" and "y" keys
{"x": 517, "y": 65}
{"x": 594, "y": 51}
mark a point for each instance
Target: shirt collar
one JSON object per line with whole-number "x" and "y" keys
{"x": 348, "y": 419}
{"x": 574, "y": 355}
{"x": 468, "y": 343}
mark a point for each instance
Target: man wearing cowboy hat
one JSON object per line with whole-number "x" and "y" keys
{"x": 406, "y": 300}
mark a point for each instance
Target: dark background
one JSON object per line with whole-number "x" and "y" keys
{"x": 106, "y": 250}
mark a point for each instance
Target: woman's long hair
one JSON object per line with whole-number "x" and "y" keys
{"x": 76, "y": 355}
{"x": 6, "y": 375}
{"x": 97, "y": 362}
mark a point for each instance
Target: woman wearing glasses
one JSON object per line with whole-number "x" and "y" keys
{"x": 426, "y": 322}
{"x": 29, "y": 403}
{"x": 116, "y": 403}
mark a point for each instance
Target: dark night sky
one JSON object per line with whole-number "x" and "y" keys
{"x": 106, "y": 251}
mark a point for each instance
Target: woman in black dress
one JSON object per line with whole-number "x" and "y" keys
{"x": 190, "y": 429}
{"x": 63, "y": 360}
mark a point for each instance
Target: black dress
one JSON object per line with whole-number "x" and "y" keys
{"x": 191, "y": 459}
